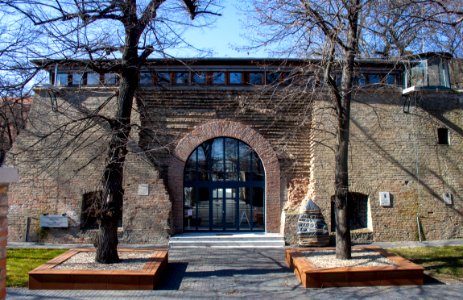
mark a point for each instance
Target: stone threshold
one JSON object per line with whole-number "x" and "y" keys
{"x": 405, "y": 273}
{"x": 45, "y": 277}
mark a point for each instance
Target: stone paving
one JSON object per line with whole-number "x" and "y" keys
{"x": 241, "y": 273}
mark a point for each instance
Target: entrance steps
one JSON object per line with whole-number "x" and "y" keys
{"x": 226, "y": 240}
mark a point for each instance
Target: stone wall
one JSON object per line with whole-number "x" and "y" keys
{"x": 396, "y": 152}
{"x": 56, "y": 170}
{"x": 390, "y": 151}
{"x": 7, "y": 176}
{"x": 170, "y": 116}
{"x": 61, "y": 156}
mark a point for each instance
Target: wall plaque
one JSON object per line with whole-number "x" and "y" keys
{"x": 384, "y": 199}
{"x": 54, "y": 221}
{"x": 143, "y": 189}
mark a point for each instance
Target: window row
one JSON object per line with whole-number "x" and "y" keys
{"x": 375, "y": 78}
{"x": 210, "y": 78}
{"x": 84, "y": 78}
{"x": 183, "y": 78}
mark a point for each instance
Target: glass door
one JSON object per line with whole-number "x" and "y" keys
{"x": 217, "y": 209}
{"x": 223, "y": 209}
{"x": 224, "y": 187}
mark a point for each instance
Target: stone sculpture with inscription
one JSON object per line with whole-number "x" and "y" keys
{"x": 311, "y": 227}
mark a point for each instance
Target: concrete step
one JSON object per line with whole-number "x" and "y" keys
{"x": 222, "y": 240}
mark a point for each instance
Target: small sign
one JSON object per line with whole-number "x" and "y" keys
{"x": 384, "y": 199}
{"x": 143, "y": 189}
{"x": 447, "y": 196}
{"x": 54, "y": 221}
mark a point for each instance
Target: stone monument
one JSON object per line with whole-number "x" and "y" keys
{"x": 312, "y": 230}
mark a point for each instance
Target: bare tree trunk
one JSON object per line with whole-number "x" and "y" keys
{"x": 343, "y": 239}
{"x": 113, "y": 193}
{"x": 107, "y": 242}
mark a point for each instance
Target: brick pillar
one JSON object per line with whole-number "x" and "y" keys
{"x": 7, "y": 175}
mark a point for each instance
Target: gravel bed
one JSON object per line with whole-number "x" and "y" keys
{"x": 86, "y": 261}
{"x": 360, "y": 258}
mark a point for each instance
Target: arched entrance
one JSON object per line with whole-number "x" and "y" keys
{"x": 235, "y": 130}
{"x": 224, "y": 187}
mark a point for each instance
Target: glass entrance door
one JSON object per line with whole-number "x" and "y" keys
{"x": 224, "y": 184}
{"x": 223, "y": 208}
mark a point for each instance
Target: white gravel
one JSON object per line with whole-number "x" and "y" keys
{"x": 360, "y": 258}
{"x": 86, "y": 261}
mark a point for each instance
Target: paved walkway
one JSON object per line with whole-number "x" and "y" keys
{"x": 243, "y": 273}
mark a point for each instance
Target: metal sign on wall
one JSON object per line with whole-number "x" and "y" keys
{"x": 54, "y": 221}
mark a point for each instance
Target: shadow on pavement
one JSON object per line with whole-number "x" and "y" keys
{"x": 431, "y": 280}
{"x": 173, "y": 276}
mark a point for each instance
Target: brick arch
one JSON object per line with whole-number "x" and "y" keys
{"x": 222, "y": 128}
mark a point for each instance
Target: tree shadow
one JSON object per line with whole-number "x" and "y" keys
{"x": 410, "y": 172}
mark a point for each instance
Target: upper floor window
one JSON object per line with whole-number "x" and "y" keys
{"x": 218, "y": 77}
{"x": 199, "y": 78}
{"x": 361, "y": 80}
{"x": 236, "y": 77}
{"x": 146, "y": 78}
{"x": 163, "y": 77}
{"x": 61, "y": 79}
{"x": 391, "y": 79}
{"x": 93, "y": 78}
{"x": 77, "y": 78}
{"x": 181, "y": 78}
{"x": 430, "y": 70}
{"x": 110, "y": 78}
{"x": 374, "y": 79}
{"x": 256, "y": 78}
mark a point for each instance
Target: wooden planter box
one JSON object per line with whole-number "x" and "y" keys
{"x": 45, "y": 277}
{"x": 405, "y": 273}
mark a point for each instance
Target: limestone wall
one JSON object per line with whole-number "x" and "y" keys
{"x": 397, "y": 152}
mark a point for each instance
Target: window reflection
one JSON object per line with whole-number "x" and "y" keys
{"x": 61, "y": 79}
{"x": 236, "y": 77}
{"x": 273, "y": 77}
{"x": 110, "y": 78}
{"x": 93, "y": 78}
{"x": 218, "y": 78}
{"x": 374, "y": 78}
{"x": 224, "y": 159}
{"x": 181, "y": 78}
{"x": 217, "y": 160}
{"x": 256, "y": 78}
{"x": 390, "y": 79}
{"x": 145, "y": 78}
{"x": 163, "y": 77}
{"x": 77, "y": 78}
{"x": 199, "y": 78}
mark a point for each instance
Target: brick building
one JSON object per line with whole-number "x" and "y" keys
{"x": 241, "y": 145}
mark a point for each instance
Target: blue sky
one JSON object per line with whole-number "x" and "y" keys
{"x": 223, "y": 37}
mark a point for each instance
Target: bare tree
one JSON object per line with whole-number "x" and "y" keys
{"x": 16, "y": 74}
{"x": 336, "y": 32}
{"x": 128, "y": 31}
